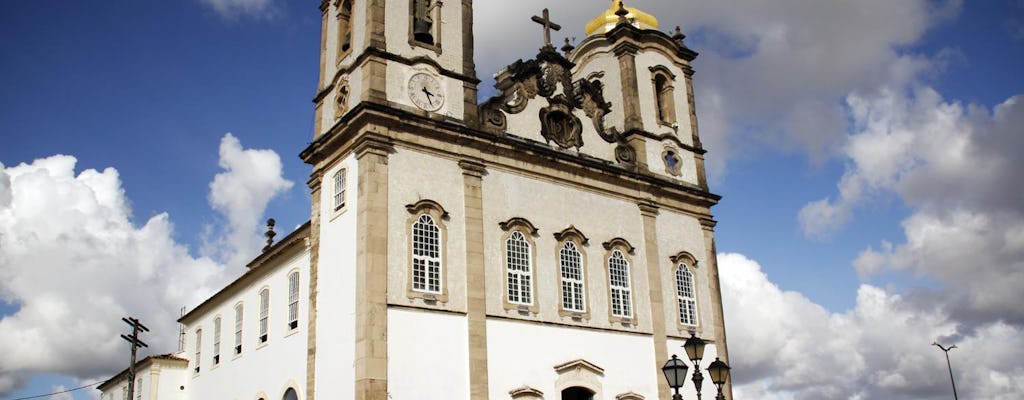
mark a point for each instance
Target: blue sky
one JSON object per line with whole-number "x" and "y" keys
{"x": 786, "y": 97}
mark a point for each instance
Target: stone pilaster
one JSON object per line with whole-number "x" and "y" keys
{"x": 371, "y": 330}
{"x": 375, "y": 18}
{"x": 702, "y": 179}
{"x": 649, "y": 213}
{"x": 476, "y": 284}
{"x": 626, "y": 52}
{"x": 470, "y": 113}
{"x": 314, "y": 266}
{"x": 715, "y": 287}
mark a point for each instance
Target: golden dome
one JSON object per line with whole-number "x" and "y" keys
{"x": 607, "y": 20}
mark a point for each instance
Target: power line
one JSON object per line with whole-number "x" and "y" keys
{"x": 56, "y": 393}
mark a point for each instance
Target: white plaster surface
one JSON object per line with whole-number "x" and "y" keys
{"x": 428, "y": 357}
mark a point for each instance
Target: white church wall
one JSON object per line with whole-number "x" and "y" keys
{"x": 604, "y": 66}
{"x": 398, "y": 40}
{"x": 415, "y": 176}
{"x": 677, "y": 233}
{"x": 259, "y": 367}
{"x": 398, "y": 88}
{"x": 427, "y": 355}
{"x": 552, "y": 208}
{"x": 169, "y": 382}
{"x": 336, "y": 282}
{"x": 525, "y": 354}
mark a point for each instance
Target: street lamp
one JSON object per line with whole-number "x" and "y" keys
{"x": 694, "y": 347}
{"x": 950, "y": 366}
{"x": 719, "y": 372}
{"x": 675, "y": 374}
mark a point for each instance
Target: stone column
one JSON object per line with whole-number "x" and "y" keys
{"x": 715, "y": 287}
{"x": 314, "y": 260}
{"x": 371, "y": 355}
{"x": 476, "y": 284}
{"x": 649, "y": 213}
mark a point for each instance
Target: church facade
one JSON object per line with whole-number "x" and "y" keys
{"x": 552, "y": 242}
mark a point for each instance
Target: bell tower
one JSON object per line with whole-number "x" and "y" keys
{"x": 413, "y": 55}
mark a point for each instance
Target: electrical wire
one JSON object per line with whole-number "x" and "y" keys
{"x": 56, "y": 393}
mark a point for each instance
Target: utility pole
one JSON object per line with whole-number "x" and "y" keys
{"x": 136, "y": 343}
{"x": 946, "y": 350}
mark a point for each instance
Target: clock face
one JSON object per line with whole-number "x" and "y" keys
{"x": 425, "y": 92}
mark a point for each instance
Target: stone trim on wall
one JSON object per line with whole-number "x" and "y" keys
{"x": 529, "y": 232}
{"x": 649, "y": 213}
{"x": 476, "y": 282}
{"x": 441, "y": 218}
{"x": 571, "y": 234}
{"x": 622, "y": 246}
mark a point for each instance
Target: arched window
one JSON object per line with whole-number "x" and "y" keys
{"x": 426, "y": 255}
{"x": 577, "y": 393}
{"x": 339, "y": 189}
{"x": 520, "y": 276}
{"x": 618, "y": 277}
{"x": 425, "y": 30}
{"x": 344, "y": 28}
{"x": 664, "y": 95}
{"x": 290, "y": 394}
{"x": 572, "y": 278}
{"x": 199, "y": 350}
{"x": 293, "y": 300}
{"x": 238, "y": 328}
{"x": 216, "y": 341}
{"x": 686, "y": 295}
{"x": 264, "y": 313}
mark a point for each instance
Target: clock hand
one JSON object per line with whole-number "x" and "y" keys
{"x": 430, "y": 96}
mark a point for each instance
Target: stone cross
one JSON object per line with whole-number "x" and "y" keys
{"x": 548, "y": 26}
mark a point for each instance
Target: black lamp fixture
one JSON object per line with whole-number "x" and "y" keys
{"x": 694, "y": 347}
{"x": 719, "y": 372}
{"x": 675, "y": 374}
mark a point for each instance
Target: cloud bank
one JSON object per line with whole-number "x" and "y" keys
{"x": 236, "y": 9}
{"x": 73, "y": 263}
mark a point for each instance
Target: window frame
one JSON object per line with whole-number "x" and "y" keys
{"x": 264, "y": 317}
{"x": 676, "y": 170}
{"x": 217, "y": 325}
{"x": 340, "y": 189}
{"x": 664, "y": 96}
{"x": 621, "y": 247}
{"x": 344, "y": 17}
{"x": 239, "y": 328}
{"x": 528, "y": 233}
{"x": 579, "y": 241}
{"x": 439, "y": 218}
{"x": 294, "y": 290}
{"x": 434, "y": 12}
{"x": 685, "y": 264}
{"x": 198, "y": 350}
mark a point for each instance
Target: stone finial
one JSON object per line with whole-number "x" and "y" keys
{"x": 622, "y": 12}
{"x": 678, "y": 36}
{"x": 567, "y": 47}
{"x": 269, "y": 234}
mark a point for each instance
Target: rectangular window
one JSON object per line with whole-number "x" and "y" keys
{"x": 293, "y": 300}
{"x": 618, "y": 274}
{"x": 426, "y": 255}
{"x": 339, "y": 189}
{"x": 517, "y": 258}
{"x": 199, "y": 349}
{"x": 216, "y": 341}
{"x": 238, "y": 329}
{"x": 685, "y": 296}
{"x": 264, "y": 314}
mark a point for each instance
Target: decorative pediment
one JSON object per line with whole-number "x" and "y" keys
{"x": 629, "y": 396}
{"x": 571, "y": 233}
{"x": 526, "y": 392}
{"x": 518, "y": 223}
{"x": 427, "y": 205}
{"x": 579, "y": 364}
{"x": 684, "y": 257}
{"x": 619, "y": 243}
{"x": 522, "y": 81}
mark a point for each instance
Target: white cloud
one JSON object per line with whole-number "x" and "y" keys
{"x": 234, "y": 9}
{"x": 73, "y": 263}
{"x": 250, "y": 179}
{"x": 782, "y": 345}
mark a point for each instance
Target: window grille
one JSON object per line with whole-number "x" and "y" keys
{"x": 426, "y": 255}
{"x": 517, "y": 255}
{"x": 264, "y": 313}
{"x": 216, "y": 341}
{"x": 572, "y": 278}
{"x": 293, "y": 300}
{"x": 238, "y": 329}
{"x": 199, "y": 349}
{"x": 618, "y": 274}
{"x": 339, "y": 189}
{"x": 685, "y": 295}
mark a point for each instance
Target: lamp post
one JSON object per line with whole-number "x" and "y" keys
{"x": 719, "y": 372}
{"x": 675, "y": 374}
{"x": 950, "y": 366}
{"x": 694, "y": 347}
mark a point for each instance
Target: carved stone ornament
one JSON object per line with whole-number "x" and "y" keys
{"x": 624, "y": 153}
{"x": 341, "y": 97}
{"x": 557, "y": 124}
{"x": 548, "y": 76}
